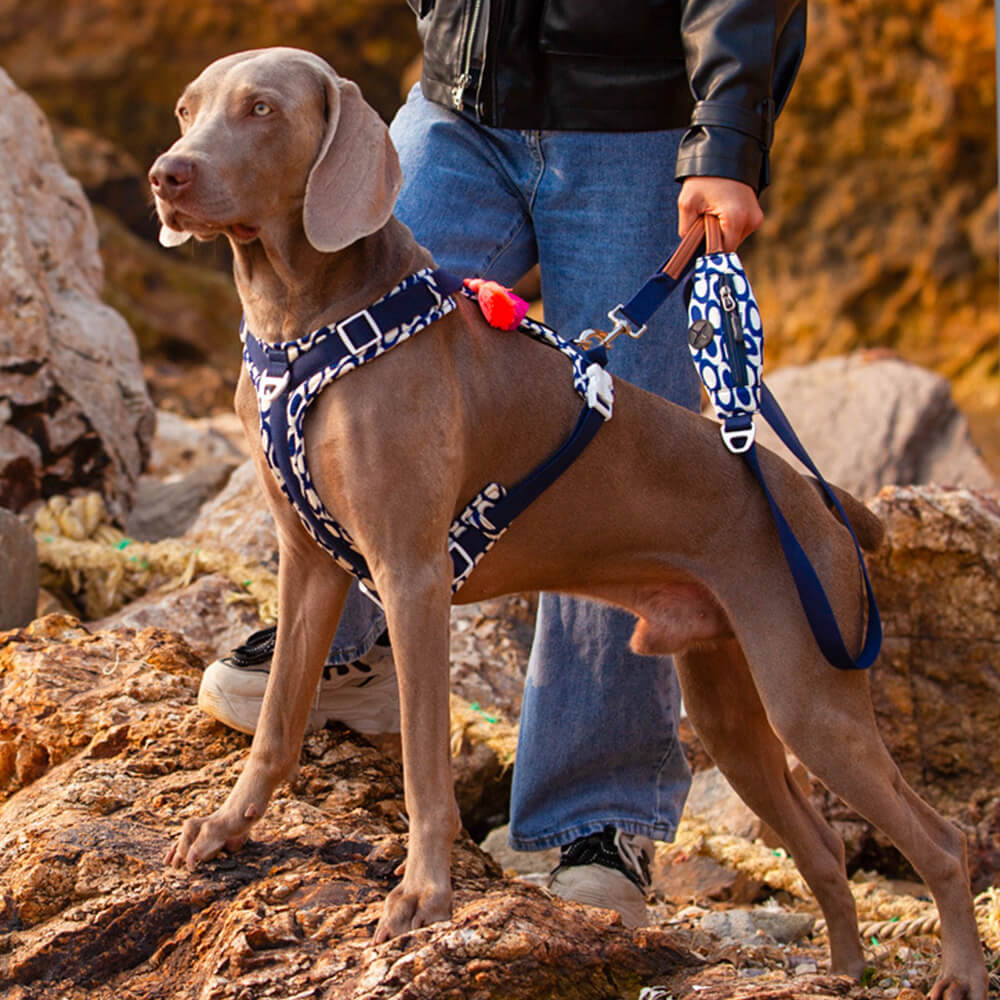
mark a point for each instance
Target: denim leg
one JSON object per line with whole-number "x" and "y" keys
{"x": 598, "y": 735}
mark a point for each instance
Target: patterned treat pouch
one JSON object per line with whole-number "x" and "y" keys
{"x": 726, "y": 339}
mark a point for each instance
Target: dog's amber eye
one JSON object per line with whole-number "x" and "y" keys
{"x": 183, "y": 113}
{"x": 260, "y": 109}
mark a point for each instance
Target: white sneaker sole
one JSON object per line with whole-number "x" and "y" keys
{"x": 367, "y": 705}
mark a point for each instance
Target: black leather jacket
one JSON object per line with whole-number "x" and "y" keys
{"x": 722, "y": 67}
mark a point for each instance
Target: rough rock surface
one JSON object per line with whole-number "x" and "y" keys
{"x": 871, "y": 421}
{"x": 103, "y": 755}
{"x": 18, "y": 572}
{"x": 74, "y": 411}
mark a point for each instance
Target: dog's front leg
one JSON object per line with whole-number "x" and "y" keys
{"x": 417, "y": 603}
{"x": 311, "y": 594}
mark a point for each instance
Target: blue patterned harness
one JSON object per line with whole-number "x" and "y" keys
{"x": 288, "y": 376}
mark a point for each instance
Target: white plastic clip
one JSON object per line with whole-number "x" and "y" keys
{"x": 600, "y": 390}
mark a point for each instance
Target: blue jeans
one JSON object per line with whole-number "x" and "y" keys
{"x": 598, "y": 211}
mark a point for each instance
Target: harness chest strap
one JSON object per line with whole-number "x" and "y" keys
{"x": 288, "y": 376}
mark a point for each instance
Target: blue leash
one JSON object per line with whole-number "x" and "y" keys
{"x": 631, "y": 318}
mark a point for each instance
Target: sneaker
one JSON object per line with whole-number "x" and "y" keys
{"x": 363, "y": 695}
{"x": 609, "y": 869}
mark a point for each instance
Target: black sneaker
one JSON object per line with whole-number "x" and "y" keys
{"x": 609, "y": 869}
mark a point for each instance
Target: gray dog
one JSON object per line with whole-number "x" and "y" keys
{"x": 286, "y": 160}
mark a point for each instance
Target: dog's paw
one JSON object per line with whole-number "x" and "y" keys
{"x": 973, "y": 987}
{"x": 202, "y": 838}
{"x": 408, "y": 907}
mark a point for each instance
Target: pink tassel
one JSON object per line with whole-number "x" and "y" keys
{"x": 501, "y": 307}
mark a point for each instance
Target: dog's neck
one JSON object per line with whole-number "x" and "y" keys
{"x": 289, "y": 291}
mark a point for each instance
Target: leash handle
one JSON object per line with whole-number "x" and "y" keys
{"x": 706, "y": 227}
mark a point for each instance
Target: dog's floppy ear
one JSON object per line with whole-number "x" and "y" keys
{"x": 353, "y": 184}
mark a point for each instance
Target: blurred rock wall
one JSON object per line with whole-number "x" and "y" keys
{"x": 881, "y": 224}
{"x": 882, "y": 220}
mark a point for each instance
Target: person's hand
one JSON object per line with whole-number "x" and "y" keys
{"x": 734, "y": 202}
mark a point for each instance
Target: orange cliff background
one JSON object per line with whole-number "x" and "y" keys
{"x": 881, "y": 222}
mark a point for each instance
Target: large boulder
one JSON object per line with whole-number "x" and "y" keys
{"x": 74, "y": 411}
{"x": 870, "y": 421}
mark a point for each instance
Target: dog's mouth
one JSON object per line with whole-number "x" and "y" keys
{"x": 186, "y": 224}
{"x": 243, "y": 232}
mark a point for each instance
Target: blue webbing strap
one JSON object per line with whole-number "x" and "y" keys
{"x": 821, "y": 618}
{"x": 520, "y": 496}
{"x": 658, "y": 287}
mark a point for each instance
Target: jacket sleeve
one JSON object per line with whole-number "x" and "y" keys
{"x": 742, "y": 57}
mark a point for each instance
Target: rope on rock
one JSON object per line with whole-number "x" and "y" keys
{"x": 884, "y": 915}
{"x": 80, "y": 551}
{"x": 471, "y": 724}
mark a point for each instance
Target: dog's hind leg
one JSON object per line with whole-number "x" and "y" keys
{"x": 722, "y": 703}
{"x": 827, "y": 721}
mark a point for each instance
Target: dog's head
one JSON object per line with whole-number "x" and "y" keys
{"x": 272, "y": 139}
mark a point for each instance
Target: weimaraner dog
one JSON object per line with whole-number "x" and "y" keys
{"x": 285, "y": 159}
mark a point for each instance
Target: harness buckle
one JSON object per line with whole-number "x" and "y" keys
{"x": 344, "y": 332}
{"x": 738, "y": 433}
{"x": 600, "y": 390}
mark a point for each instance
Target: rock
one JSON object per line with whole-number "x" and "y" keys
{"x": 680, "y": 878}
{"x": 870, "y": 421}
{"x": 206, "y": 613}
{"x": 934, "y": 686}
{"x": 758, "y": 926}
{"x": 181, "y": 444}
{"x": 74, "y": 412}
{"x": 238, "y": 519}
{"x": 18, "y": 572}
{"x": 167, "y": 509}
{"x": 115, "y": 756}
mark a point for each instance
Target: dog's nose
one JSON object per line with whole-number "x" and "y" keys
{"x": 170, "y": 175}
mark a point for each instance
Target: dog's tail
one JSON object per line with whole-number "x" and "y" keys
{"x": 866, "y": 525}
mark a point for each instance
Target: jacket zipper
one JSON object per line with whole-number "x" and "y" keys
{"x": 733, "y": 330}
{"x": 465, "y": 78}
